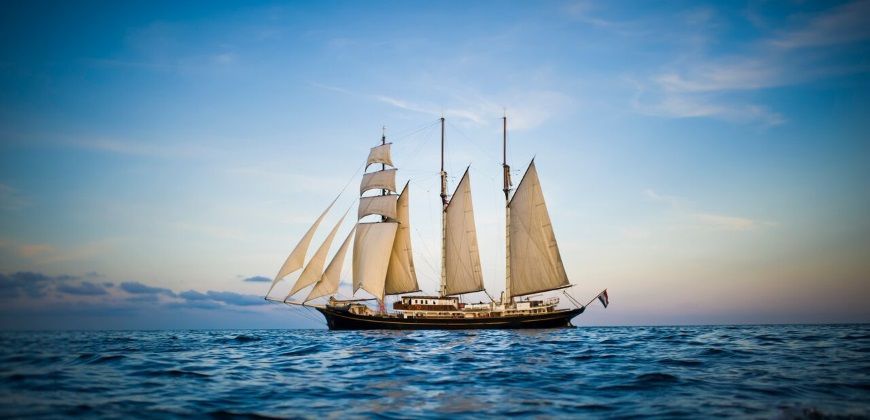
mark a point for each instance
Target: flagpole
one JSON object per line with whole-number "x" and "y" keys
{"x": 596, "y": 297}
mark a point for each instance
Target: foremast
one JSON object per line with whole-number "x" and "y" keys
{"x": 382, "y": 257}
{"x": 383, "y": 262}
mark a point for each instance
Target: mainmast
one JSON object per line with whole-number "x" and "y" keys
{"x": 507, "y": 212}
{"x": 443, "y": 289}
{"x": 381, "y": 305}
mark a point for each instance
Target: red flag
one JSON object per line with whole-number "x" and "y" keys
{"x": 603, "y": 298}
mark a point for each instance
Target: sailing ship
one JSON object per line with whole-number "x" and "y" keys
{"x": 383, "y": 262}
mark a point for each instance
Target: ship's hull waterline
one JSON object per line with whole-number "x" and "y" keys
{"x": 342, "y": 319}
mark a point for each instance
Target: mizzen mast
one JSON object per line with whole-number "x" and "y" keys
{"x": 443, "y": 288}
{"x": 504, "y": 165}
{"x": 507, "y": 212}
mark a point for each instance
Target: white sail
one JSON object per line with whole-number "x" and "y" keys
{"x": 371, "y": 256}
{"x": 462, "y": 262}
{"x": 380, "y": 154}
{"x": 380, "y": 180}
{"x": 296, "y": 258}
{"x": 384, "y": 205}
{"x": 401, "y": 276}
{"x": 535, "y": 262}
{"x": 328, "y": 283}
{"x": 314, "y": 269}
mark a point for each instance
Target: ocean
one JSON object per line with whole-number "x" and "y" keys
{"x": 788, "y": 371}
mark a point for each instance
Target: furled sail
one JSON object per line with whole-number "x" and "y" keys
{"x": 535, "y": 262}
{"x": 384, "y": 205}
{"x": 314, "y": 269}
{"x": 380, "y": 180}
{"x": 401, "y": 276}
{"x": 328, "y": 283}
{"x": 297, "y": 258}
{"x": 371, "y": 256}
{"x": 462, "y": 262}
{"x": 380, "y": 154}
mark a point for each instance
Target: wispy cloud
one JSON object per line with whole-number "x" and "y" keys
{"x": 145, "y": 149}
{"x": 585, "y": 12}
{"x": 258, "y": 279}
{"x": 11, "y": 199}
{"x": 233, "y": 298}
{"x": 694, "y": 106}
{"x": 723, "y": 222}
{"x": 160, "y": 47}
{"x": 402, "y": 104}
{"x": 708, "y": 86}
{"x": 842, "y": 24}
{"x": 685, "y": 208}
{"x": 674, "y": 96}
{"x": 275, "y": 175}
{"x": 530, "y": 108}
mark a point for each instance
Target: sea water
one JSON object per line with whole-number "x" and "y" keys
{"x": 698, "y": 372}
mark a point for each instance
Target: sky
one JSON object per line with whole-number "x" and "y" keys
{"x": 704, "y": 162}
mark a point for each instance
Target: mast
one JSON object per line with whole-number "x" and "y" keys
{"x": 504, "y": 165}
{"x": 373, "y": 242}
{"x": 381, "y": 305}
{"x": 536, "y": 263}
{"x": 443, "y": 289}
{"x": 507, "y": 212}
{"x": 383, "y": 166}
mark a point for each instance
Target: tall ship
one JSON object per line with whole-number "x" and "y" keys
{"x": 383, "y": 261}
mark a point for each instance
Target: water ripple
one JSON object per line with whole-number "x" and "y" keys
{"x": 737, "y": 371}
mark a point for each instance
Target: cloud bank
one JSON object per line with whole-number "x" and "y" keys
{"x": 32, "y": 300}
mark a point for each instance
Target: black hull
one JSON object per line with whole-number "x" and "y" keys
{"x": 341, "y": 319}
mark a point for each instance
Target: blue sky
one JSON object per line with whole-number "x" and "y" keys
{"x": 705, "y": 162}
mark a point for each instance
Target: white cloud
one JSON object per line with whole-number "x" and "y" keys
{"x": 402, "y": 104}
{"x": 136, "y": 148}
{"x": 224, "y": 58}
{"x": 741, "y": 74}
{"x": 582, "y": 11}
{"x": 843, "y": 24}
{"x": 723, "y": 222}
{"x": 528, "y": 109}
{"x": 705, "y": 220}
{"x": 700, "y": 85}
{"x": 694, "y": 106}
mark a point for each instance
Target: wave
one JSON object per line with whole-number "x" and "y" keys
{"x": 615, "y": 372}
